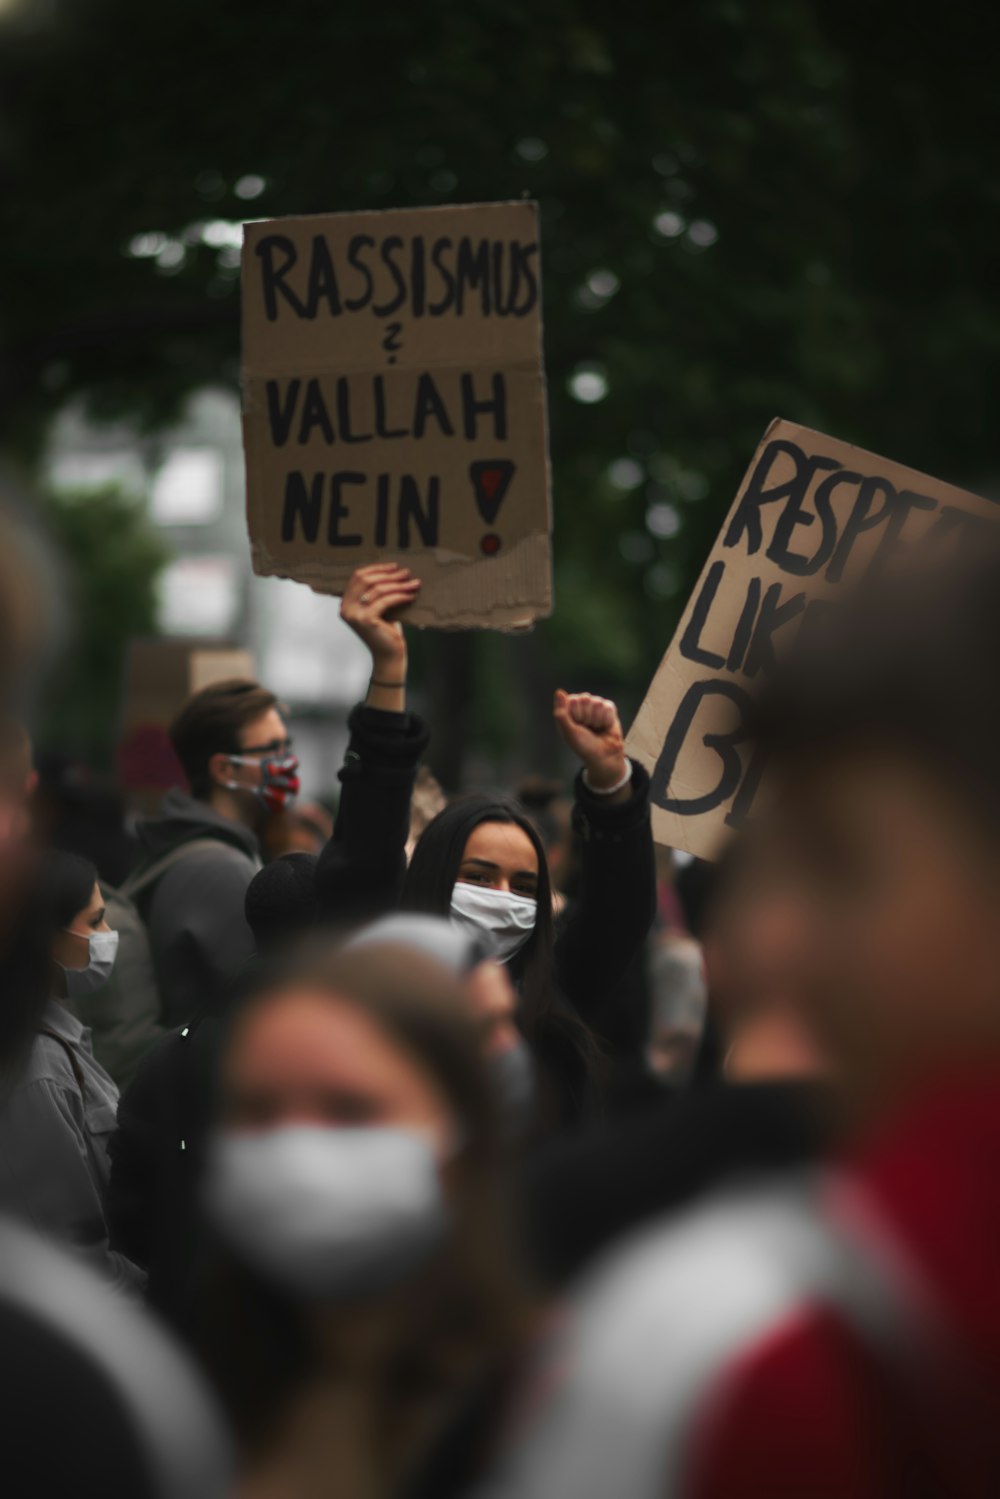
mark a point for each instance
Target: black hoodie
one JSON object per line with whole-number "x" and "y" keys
{"x": 194, "y": 911}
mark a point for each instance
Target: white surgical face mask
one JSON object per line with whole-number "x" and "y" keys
{"x": 323, "y": 1212}
{"x": 509, "y": 919}
{"x": 103, "y": 951}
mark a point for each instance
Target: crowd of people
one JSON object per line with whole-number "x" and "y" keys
{"x": 474, "y": 1147}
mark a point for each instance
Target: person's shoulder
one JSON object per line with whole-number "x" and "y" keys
{"x": 47, "y": 1062}
{"x": 796, "y": 1412}
{"x": 209, "y": 861}
{"x": 685, "y": 1294}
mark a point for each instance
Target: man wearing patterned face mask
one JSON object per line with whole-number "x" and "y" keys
{"x": 200, "y": 855}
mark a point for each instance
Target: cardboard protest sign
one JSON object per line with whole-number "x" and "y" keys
{"x": 394, "y": 406}
{"x": 811, "y": 515}
{"x": 160, "y": 675}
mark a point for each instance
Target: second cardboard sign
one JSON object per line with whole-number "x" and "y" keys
{"x": 811, "y": 515}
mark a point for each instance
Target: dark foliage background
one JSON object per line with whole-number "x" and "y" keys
{"x": 785, "y": 207}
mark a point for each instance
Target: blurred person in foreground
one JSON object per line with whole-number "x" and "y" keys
{"x": 96, "y": 1397}
{"x": 842, "y": 1335}
{"x": 765, "y": 1111}
{"x": 363, "y": 1286}
{"x": 18, "y": 780}
{"x": 165, "y": 1115}
{"x": 57, "y": 1108}
{"x": 200, "y": 854}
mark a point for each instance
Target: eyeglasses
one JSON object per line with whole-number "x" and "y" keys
{"x": 277, "y": 749}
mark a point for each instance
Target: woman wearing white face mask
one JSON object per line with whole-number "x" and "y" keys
{"x": 57, "y": 1113}
{"x": 482, "y": 863}
{"x": 363, "y": 1283}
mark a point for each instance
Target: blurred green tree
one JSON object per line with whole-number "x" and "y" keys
{"x": 749, "y": 210}
{"x": 111, "y": 558}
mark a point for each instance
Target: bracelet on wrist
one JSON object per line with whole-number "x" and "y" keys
{"x": 374, "y": 682}
{"x": 609, "y": 790}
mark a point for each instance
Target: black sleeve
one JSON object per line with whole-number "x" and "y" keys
{"x": 360, "y": 872}
{"x": 616, "y": 905}
{"x": 583, "y": 1191}
{"x": 138, "y": 1150}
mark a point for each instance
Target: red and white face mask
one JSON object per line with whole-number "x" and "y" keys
{"x": 279, "y": 780}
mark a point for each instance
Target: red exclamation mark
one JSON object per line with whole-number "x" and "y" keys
{"x": 490, "y": 481}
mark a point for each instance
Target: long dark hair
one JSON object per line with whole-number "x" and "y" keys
{"x": 434, "y": 869}
{"x": 48, "y": 890}
{"x": 561, "y": 1040}
{"x": 69, "y": 883}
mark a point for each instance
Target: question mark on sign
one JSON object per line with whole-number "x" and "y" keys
{"x": 391, "y": 341}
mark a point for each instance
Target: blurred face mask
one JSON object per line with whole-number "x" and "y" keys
{"x": 279, "y": 780}
{"x": 103, "y": 951}
{"x": 327, "y": 1213}
{"x": 509, "y": 919}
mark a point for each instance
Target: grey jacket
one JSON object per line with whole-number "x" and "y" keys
{"x": 194, "y": 912}
{"x": 55, "y": 1123}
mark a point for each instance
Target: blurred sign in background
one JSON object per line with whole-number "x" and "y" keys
{"x": 188, "y": 482}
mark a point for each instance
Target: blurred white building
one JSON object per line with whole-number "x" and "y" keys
{"x": 192, "y": 479}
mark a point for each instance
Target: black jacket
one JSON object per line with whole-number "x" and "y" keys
{"x": 598, "y": 939}
{"x": 360, "y": 872}
{"x": 582, "y": 1192}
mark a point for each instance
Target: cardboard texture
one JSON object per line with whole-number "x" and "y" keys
{"x": 394, "y": 406}
{"x": 811, "y": 515}
{"x": 160, "y": 675}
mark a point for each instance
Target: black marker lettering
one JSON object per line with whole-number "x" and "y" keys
{"x": 906, "y": 500}
{"x": 743, "y": 800}
{"x": 724, "y": 745}
{"x": 358, "y": 243}
{"x": 417, "y": 254}
{"x": 411, "y": 510}
{"x": 302, "y": 506}
{"x": 344, "y": 414}
{"x": 390, "y": 245}
{"x": 741, "y": 635}
{"x": 860, "y": 520}
{"x": 501, "y": 306}
{"x": 473, "y": 409}
{"x": 382, "y": 511}
{"x": 690, "y": 646}
{"x": 339, "y": 511}
{"x": 381, "y": 430}
{"x": 315, "y": 414}
{"x": 429, "y": 404}
{"x": 439, "y": 247}
{"x": 773, "y": 616}
{"x": 273, "y": 275}
{"x": 473, "y": 273}
{"x": 795, "y": 515}
{"x": 522, "y": 259}
{"x": 747, "y": 521}
{"x": 280, "y": 416}
{"x": 322, "y": 279}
